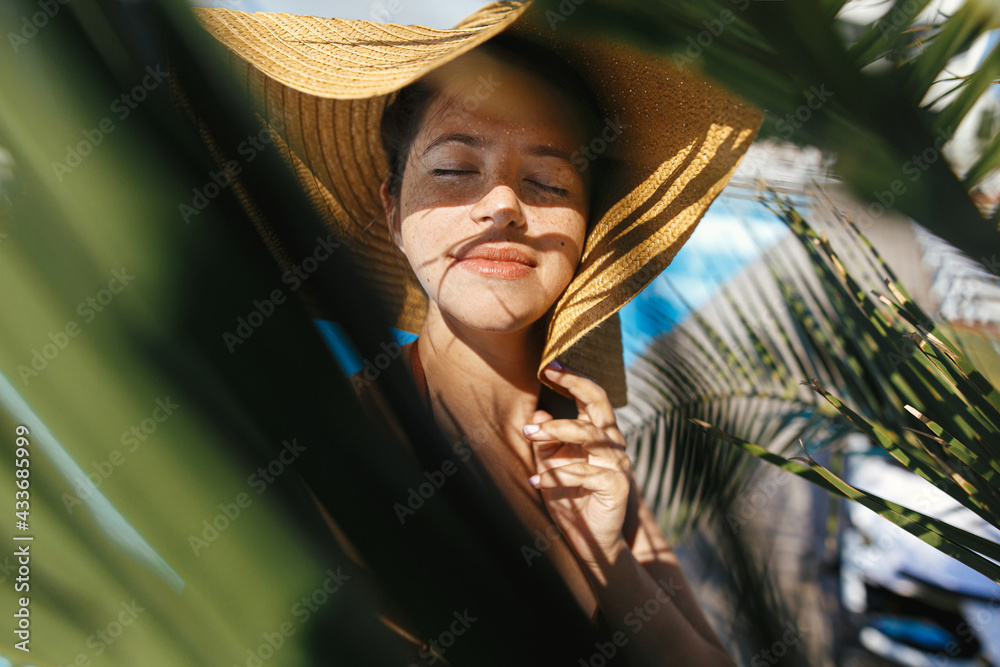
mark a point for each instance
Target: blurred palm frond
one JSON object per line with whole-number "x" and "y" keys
{"x": 883, "y": 98}
{"x": 867, "y": 361}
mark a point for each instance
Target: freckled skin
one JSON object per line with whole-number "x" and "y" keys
{"x": 500, "y": 190}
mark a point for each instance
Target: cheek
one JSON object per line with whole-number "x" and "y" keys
{"x": 427, "y": 235}
{"x": 566, "y": 241}
{"x": 420, "y": 236}
{"x": 414, "y": 206}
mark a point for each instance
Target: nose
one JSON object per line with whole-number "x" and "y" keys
{"x": 499, "y": 207}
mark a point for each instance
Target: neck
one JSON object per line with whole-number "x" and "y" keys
{"x": 480, "y": 378}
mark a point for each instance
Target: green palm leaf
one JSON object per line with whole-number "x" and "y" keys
{"x": 813, "y": 74}
{"x": 883, "y": 366}
{"x": 210, "y": 524}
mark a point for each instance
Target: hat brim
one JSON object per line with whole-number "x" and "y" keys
{"x": 322, "y": 84}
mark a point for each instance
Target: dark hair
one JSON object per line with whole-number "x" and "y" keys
{"x": 402, "y": 119}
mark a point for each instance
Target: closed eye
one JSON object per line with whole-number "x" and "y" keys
{"x": 452, "y": 172}
{"x": 551, "y": 189}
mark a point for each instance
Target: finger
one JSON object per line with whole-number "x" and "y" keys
{"x": 598, "y": 442}
{"x": 574, "y": 430}
{"x": 589, "y": 395}
{"x": 540, "y": 417}
{"x": 602, "y": 481}
{"x": 546, "y": 464}
{"x": 554, "y": 454}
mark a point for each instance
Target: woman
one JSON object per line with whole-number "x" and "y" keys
{"x": 522, "y": 247}
{"x": 491, "y": 213}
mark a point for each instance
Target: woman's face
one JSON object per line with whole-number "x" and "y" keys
{"x": 492, "y": 211}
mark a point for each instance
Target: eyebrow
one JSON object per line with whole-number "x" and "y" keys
{"x": 457, "y": 138}
{"x": 549, "y": 151}
{"x": 472, "y": 141}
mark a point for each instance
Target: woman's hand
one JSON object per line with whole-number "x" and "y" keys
{"x": 582, "y": 470}
{"x": 584, "y": 477}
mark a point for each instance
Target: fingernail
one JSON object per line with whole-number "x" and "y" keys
{"x": 531, "y": 428}
{"x": 556, "y": 365}
{"x": 534, "y": 480}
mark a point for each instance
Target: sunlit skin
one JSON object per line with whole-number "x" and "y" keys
{"x": 494, "y": 170}
{"x": 493, "y": 173}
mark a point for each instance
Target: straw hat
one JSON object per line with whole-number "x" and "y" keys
{"x": 322, "y": 85}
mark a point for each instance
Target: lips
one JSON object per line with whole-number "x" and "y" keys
{"x": 498, "y": 254}
{"x": 505, "y": 262}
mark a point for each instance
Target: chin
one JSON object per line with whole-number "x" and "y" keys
{"x": 502, "y": 323}
{"x": 492, "y": 317}
{"x": 496, "y": 308}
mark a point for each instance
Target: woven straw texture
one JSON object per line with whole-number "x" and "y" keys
{"x": 321, "y": 86}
